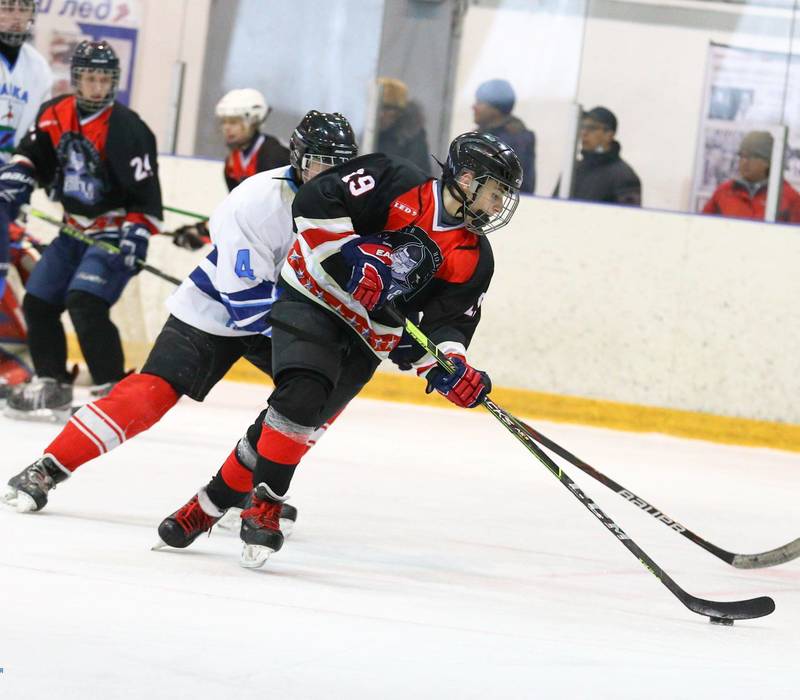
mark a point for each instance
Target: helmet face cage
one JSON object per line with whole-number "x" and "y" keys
{"x": 321, "y": 141}
{"x": 9, "y": 35}
{"x": 488, "y": 159}
{"x": 94, "y": 57}
{"x": 314, "y": 163}
{"x": 482, "y": 222}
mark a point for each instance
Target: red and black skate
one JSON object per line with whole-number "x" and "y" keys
{"x": 187, "y": 523}
{"x": 261, "y": 530}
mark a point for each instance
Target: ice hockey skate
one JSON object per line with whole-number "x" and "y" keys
{"x": 232, "y": 520}
{"x": 260, "y": 531}
{"x": 42, "y": 399}
{"x": 187, "y": 523}
{"x": 27, "y": 491}
{"x": 199, "y": 515}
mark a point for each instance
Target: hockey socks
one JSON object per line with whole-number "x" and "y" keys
{"x": 234, "y": 480}
{"x": 281, "y": 446}
{"x": 135, "y": 404}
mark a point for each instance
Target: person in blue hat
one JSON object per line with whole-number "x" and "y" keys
{"x": 494, "y": 102}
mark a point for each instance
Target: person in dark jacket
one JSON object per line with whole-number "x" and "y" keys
{"x": 401, "y": 125}
{"x": 601, "y": 175}
{"x": 494, "y": 102}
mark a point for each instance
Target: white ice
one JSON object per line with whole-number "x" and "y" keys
{"x": 433, "y": 558}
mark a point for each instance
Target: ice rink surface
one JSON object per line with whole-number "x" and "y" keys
{"x": 433, "y": 558}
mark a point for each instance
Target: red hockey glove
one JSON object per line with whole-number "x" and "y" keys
{"x": 371, "y": 260}
{"x": 466, "y": 387}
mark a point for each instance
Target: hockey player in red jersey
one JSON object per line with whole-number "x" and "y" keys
{"x": 371, "y": 232}
{"x": 219, "y": 314}
{"x": 99, "y": 159}
{"x": 241, "y": 114}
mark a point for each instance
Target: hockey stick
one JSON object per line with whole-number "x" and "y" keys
{"x": 191, "y": 214}
{"x": 91, "y": 240}
{"x": 718, "y": 611}
{"x": 773, "y": 557}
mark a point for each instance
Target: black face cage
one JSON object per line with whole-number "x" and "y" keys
{"x": 482, "y": 222}
{"x": 303, "y": 154}
{"x": 10, "y": 38}
{"x": 86, "y": 104}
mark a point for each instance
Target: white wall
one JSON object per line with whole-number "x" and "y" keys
{"x": 653, "y": 308}
{"x": 672, "y": 310}
{"x": 172, "y": 30}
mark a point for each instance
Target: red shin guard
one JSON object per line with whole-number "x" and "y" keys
{"x": 136, "y": 403}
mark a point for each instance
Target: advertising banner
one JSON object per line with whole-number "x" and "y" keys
{"x": 62, "y": 24}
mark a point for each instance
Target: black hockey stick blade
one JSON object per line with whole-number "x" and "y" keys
{"x": 731, "y": 610}
{"x": 773, "y": 557}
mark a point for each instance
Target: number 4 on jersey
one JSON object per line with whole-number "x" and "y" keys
{"x": 243, "y": 268}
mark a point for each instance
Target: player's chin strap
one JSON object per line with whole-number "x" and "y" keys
{"x": 91, "y": 240}
{"x": 478, "y": 218}
{"x": 717, "y": 611}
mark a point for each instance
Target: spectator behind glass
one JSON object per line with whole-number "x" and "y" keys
{"x": 494, "y": 102}
{"x": 601, "y": 175}
{"x": 401, "y": 129}
{"x": 745, "y": 196}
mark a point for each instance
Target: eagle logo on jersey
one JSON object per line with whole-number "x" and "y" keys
{"x": 415, "y": 259}
{"x": 82, "y": 174}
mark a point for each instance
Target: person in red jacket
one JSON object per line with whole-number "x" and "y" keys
{"x": 745, "y": 196}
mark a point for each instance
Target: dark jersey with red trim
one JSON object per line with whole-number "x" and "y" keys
{"x": 382, "y": 194}
{"x": 264, "y": 153}
{"x": 102, "y": 168}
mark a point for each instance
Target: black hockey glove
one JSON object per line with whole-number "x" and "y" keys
{"x": 133, "y": 242}
{"x": 16, "y": 184}
{"x": 192, "y": 236}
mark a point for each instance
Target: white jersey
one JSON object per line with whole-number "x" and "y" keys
{"x": 23, "y": 88}
{"x": 232, "y": 290}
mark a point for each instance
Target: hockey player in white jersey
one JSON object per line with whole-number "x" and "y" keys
{"x": 25, "y": 77}
{"x": 219, "y": 314}
{"x": 25, "y": 82}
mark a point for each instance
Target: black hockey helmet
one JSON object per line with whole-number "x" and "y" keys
{"x": 94, "y": 56}
{"x": 16, "y": 21}
{"x": 322, "y": 137}
{"x": 487, "y": 158}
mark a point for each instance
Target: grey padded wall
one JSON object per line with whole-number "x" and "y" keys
{"x": 419, "y": 45}
{"x": 303, "y": 54}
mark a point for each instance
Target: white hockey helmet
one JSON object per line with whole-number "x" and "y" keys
{"x": 247, "y": 103}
